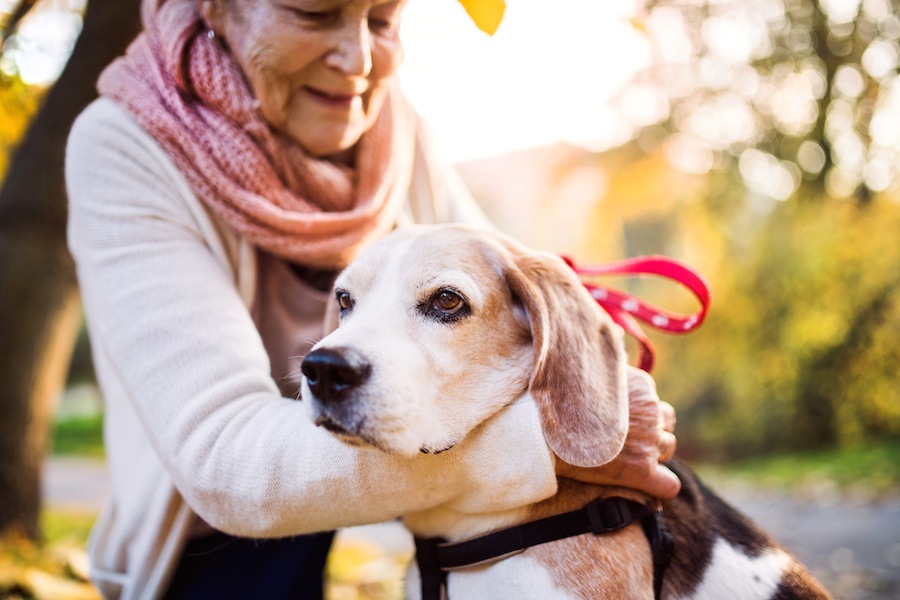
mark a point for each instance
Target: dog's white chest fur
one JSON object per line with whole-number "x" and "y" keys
{"x": 515, "y": 578}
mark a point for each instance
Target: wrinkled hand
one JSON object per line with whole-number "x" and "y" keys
{"x": 650, "y": 440}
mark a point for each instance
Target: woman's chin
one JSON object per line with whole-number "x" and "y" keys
{"x": 334, "y": 141}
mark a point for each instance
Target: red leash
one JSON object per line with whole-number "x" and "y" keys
{"x": 625, "y": 308}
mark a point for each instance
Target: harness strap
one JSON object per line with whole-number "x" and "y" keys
{"x": 662, "y": 546}
{"x": 435, "y": 556}
{"x": 434, "y": 578}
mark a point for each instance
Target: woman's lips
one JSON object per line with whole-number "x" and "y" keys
{"x": 332, "y": 99}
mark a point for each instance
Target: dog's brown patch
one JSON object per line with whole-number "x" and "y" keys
{"x": 614, "y": 565}
{"x": 798, "y": 584}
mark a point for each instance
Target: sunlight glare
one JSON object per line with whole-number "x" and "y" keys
{"x": 880, "y": 59}
{"x": 44, "y": 40}
{"x": 766, "y": 175}
{"x": 841, "y": 11}
{"x": 547, "y": 75}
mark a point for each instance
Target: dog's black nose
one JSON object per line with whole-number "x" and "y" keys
{"x": 333, "y": 374}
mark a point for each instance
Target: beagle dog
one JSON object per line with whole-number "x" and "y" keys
{"x": 443, "y": 326}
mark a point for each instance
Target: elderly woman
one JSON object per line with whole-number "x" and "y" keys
{"x": 240, "y": 154}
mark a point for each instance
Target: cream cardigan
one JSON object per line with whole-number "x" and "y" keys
{"x": 194, "y": 422}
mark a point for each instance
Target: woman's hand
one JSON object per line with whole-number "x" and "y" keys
{"x": 650, "y": 441}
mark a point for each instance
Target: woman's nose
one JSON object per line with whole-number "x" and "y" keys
{"x": 352, "y": 52}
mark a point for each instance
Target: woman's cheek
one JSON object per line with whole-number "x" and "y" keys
{"x": 387, "y": 55}
{"x": 273, "y": 94}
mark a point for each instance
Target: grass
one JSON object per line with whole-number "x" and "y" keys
{"x": 873, "y": 470}
{"x": 80, "y": 435}
{"x": 66, "y": 526}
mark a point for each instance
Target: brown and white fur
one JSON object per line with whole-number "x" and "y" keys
{"x": 444, "y": 326}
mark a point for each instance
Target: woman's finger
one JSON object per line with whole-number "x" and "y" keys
{"x": 664, "y": 483}
{"x": 640, "y": 384}
{"x": 667, "y": 418}
{"x": 667, "y": 443}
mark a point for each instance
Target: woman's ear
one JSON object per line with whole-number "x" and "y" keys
{"x": 579, "y": 373}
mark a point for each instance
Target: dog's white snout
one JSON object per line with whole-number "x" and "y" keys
{"x": 333, "y": 374}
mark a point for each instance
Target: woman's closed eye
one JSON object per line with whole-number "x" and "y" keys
{"x": 381, "y": 25}
{"x": 385, "y": 18}
{"x": 312, "y": 14}
{"x": 319, "y": 18}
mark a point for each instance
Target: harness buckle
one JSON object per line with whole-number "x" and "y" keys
{"x": 607, "y": 514}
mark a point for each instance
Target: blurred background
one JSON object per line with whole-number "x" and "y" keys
{"x": 757, "y": 140}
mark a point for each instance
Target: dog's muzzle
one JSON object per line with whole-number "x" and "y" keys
{"x": 334, "y": 375}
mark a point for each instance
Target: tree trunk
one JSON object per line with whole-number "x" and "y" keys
{"x": 39, "y": 310}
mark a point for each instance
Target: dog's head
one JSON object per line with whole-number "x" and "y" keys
{"x": 442, "y": 326}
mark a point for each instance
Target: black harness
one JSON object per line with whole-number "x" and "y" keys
{"x": 436, "y": 557}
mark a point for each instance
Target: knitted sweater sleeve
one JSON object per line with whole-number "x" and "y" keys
{"x": 175, "y": 337}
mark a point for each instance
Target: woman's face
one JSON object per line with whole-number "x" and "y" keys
{"x": 319, "y": 68}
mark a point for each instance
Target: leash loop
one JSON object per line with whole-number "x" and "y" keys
{"x": 626, "y": 309}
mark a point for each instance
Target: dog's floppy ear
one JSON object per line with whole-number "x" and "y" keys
{"x": 578, "y": 378}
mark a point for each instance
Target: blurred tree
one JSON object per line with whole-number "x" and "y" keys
{"x": 787, "y": 113}
{"x": 794, "y": 92}
{"x": 39, "y": 312}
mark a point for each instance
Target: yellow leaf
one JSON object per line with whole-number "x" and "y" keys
{"x": 487, "y": 14}
{"x": 639, "y": 25}
{"x": 47, "y": 586}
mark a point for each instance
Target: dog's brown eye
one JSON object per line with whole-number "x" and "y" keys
{"x": 344, "y": 300}
{"x": 448, "y": 301}
{"x": 445, "y": 305}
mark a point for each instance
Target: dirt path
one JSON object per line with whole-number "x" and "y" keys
{"x": 79, "y": 484}
{"x": 851, "y": 544}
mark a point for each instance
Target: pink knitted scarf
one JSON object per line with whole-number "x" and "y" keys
{"x": 189, "y": 94}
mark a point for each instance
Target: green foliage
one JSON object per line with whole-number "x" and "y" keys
{"x": 800, "y": 351}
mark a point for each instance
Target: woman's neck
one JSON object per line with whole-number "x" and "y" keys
{"x": 344, "y": 157}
